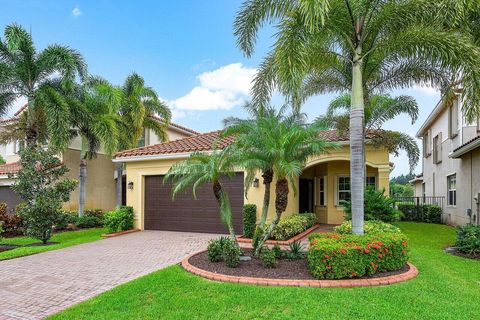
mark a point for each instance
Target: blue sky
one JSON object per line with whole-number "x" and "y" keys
{"x": 185, "y": 49}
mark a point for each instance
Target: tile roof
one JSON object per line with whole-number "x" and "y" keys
{"x": 10, "y": 167}
{"x": 466, "y": 143}
{"x": 205, "y": 141}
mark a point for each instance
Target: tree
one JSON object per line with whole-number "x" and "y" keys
{"x": 43, "y": 187}
{"x": 252, "y": 137}
{"x": 361, "y": 47}
{"x": 26, "y": 73}
{"x": 138, "y": 110}
{"x": 403, "y": 179}
{"x": 378, "y": 110}
{"x": 201, "y": 168}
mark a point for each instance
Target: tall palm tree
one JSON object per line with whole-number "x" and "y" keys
{"x": 251, "y": 137}
{"x": 201, "y": 168}
{"x": 26, "y": 73}
{"x": 362, "y": 47}
{"x": 378, "y": 110}
{"x": 138, "y": 111}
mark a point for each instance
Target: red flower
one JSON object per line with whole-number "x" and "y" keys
{"x": 327, "y": 256}
{"x": 367, "y": 251}
{"x": 329, "y": 267}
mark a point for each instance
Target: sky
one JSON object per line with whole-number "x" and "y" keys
{"x": 184, "y": 49}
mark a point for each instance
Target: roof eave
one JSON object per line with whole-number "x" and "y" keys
{"x": 463, "y": 150}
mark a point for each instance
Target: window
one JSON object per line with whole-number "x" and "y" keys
{"x": 426, "y": 144}
{"x": 452, "y": 190}
{"x": 322, "y": 200}
{"x": 343, "y": 188}
{"x": 423, "y": 190}
{"x": 371, "y": 182}
{"x": 453, "y": 120}
{"x": 437, "y": 148}
{"x": 141, "y": 141}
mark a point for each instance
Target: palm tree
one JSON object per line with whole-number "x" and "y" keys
{"x": 378, "y": 110}
{"x": 361, "y": 47}
{"x": 201, "y": 168}
{"x": 26, "y": 73}
{"x": 138, "y": 111}
{"x": 251, "y": 137}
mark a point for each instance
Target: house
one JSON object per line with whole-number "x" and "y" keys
{"x": 101, "y": 174}
{"x": 451, "y": 161}
{"x": 323, "y": 184}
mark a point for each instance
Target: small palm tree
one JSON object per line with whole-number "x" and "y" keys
{"x": 26, "y": 73}
{"x": 138, "y": 110}
{"x": 201, "y": 168}
{"x": 378, "y": 110}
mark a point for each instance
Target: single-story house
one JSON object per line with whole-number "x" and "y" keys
{"x": 323, "y": 184}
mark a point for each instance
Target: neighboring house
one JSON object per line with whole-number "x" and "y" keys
{"x": 101, "y": 174}
{"x": 451, "y": 162}
{"x": 323, "y": 184}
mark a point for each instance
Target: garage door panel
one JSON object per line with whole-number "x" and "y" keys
{"x": 186, "y": 213}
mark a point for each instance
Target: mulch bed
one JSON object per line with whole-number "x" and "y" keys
{"x": 455, "y": 252}
{"x": 6, "y": 247}
{"x": 40, "y": 244}
{"x": 285, "y": 269}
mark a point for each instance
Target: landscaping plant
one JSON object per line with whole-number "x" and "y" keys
{"x": 268, "y": 257}
{"x": 377, "y": 207}
{"x": 371, "y": 227}
{"x": 468, "y": 239}
{"x": 215, "y": 249}
{"x": 277, "y": 250}
{"x": 118, "y": 220}
{"x": 231, "y": 253}
{"x": 42, "y": 185}
{"x": 249, "y": 220}
{"x": 12, "y": 223}
{"x": 296, "y": 250}
{"x": 295, "y": 224}
{"x": 421, "y": 212}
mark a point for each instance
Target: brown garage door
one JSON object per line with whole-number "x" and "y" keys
{"x": 187, "y": 214}
{"x": 9, "y": 197}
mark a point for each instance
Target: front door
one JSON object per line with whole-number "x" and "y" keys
{"x": 306, "y": 196}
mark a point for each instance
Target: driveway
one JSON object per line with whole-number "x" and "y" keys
{"x": 36, "y": 286}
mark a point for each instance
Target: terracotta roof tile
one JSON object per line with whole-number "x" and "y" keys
{"x": 10, "y": 167}
{"x": 204, "y": 142}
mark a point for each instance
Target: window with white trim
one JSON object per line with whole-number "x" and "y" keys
{"x": 321, "y": 199}
{"x": 452, "y": 190}
{"x": 343, "y": 189}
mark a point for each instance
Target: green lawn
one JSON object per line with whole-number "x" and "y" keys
{"x": 64, "y": 239}
{"x": 448, "y": 287}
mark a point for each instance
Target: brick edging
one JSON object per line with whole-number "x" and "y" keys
{"x": 298, "y": 237}
{"x": 343, "y": 283}
{"x": 121, "y": 233}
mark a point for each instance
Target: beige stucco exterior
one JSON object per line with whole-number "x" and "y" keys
{"x": 329, "y": 165}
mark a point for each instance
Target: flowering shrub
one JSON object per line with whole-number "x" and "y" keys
{"x": 338, "y": 256}
{"x": 369, "y": 227}
{"x": 293, "y": 225}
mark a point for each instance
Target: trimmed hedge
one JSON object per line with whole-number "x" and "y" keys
{"x": 119, "y": 219}
{"x": 249, "y": 220}
{"x": 468, "y": 239}
{"x": 369, "y": 227}
{"x": 421, "y": 213}
{"x": 92, "y": 218}
{"x": 338, "y": 256}
{"x": 291, "y": 226}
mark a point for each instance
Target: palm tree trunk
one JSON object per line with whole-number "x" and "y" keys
{"x": 225, "y": 208}
{"x": 267, "y": 181}
{"x": 81, "y": 192}
{"x": 357, "y": 146}
{"x": 281, "y": 202}
{"x": 119, "y": 168}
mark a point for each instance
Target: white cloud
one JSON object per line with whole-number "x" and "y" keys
{"x": 223, "y": 88}
{"x": 430, "y": 91}
{"x": 76, "y": 12}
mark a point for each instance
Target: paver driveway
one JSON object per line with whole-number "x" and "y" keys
{"x": 36, "y": 286}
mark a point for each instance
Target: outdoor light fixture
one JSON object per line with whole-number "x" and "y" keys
{"x": 256, "y": 182}
{"x": 130, "y": 185}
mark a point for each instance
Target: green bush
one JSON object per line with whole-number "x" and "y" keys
{"x": 468, "y": 239}
{"x": 88, "y": 222}
{"x": 119, "y": 219}
{"x": 65, "y": 218}
{"x": 421, "y": 213}
{"x": 231, "y": 253}
{"x": 1, "y": 229}
{"x": 296, "y": 251}
{"x": 338, "y": 256}
{"x": 291, "y": 226}
{"x": 96, "y": 212}
{"x": 277, "y": 250}
{"x": 369, "y": 227}
{"x": 377, "y": 207}
{"x": 12, "y": 223}
{"x": 249, "y": 220}
{"x": 268, "y": 257}
{"x": 215, "y": 249}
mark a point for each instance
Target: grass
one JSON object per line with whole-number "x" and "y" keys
{"x": 64, "y": 239}
{"x": 448, "y": 287}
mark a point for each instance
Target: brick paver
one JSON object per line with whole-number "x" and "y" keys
{"x": 36, "y": 286}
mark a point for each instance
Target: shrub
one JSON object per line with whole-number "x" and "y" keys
{"x": 277, "y": 250}
{"x": 268, "y": 257}
{"x": 249, "y": 220}
{"x": 468, "y": 239}
{"x": 65, "y": 218}
{"x": 421, "y": 212}
{"x": 88, "y": 222}
{"x": 119, "y": 219}
{"x": 291, "y": 226}
{"x": 369, "y": 227}
{"x": 215, "y": 249}
{"x": 94, "y": 213}
{"x": 12, "y": 223}
{"x": 337, "y": 256}
{"x": 296, "y": 250}
{"x": 377, "y": 207}
{"x": 1, "y": 229}
{"x": 231, "y": 253}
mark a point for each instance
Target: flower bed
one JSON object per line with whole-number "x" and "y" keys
{"x": 338, "y": 256}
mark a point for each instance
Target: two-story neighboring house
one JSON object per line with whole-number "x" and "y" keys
{"x": 101, "y": 174}
{"x": 451, "y": 162}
